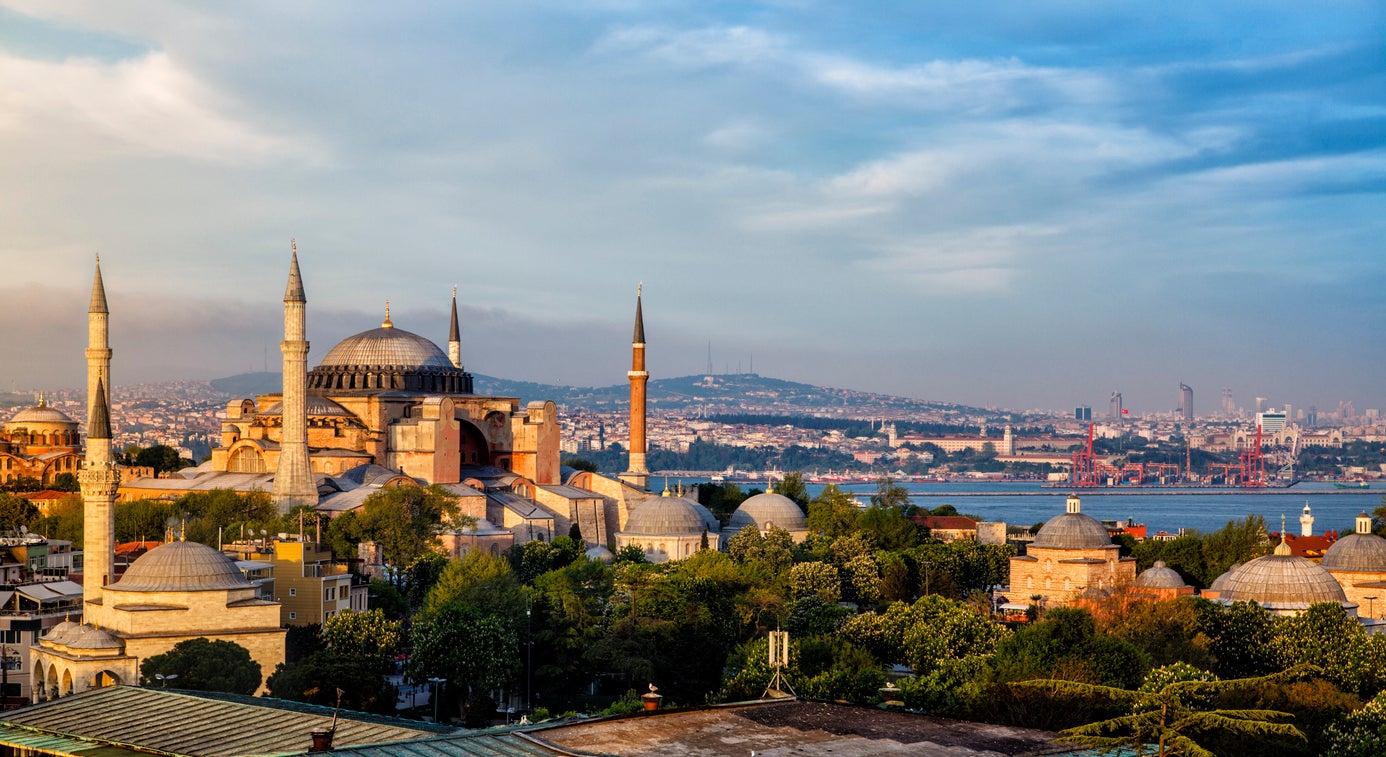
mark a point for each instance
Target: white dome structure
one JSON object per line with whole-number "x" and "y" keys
{"x": 666, "y": 528}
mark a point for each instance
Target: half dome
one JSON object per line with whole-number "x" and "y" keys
{"x": 181, "y": 566}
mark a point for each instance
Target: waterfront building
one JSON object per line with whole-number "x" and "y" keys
{"x": 1070, "y": 555}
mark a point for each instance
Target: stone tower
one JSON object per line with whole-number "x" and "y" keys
{"x": 98, "y": 341}
{"x": 293, "y": 479}
{"x": 638, "y": 475}
{"x": 454, "y": 336}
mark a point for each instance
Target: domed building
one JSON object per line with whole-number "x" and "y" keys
{"x": 1358, "y": 563}
{"x": 769, "y": 509}
{"x": 40, "y": 442}
{"x": 666, "y": 528}
{"x": 172, "y": 593}
{"x": 1071, "y": 554}
{"x": 1283, "y": 583}
{"x": 1160, "y": 581}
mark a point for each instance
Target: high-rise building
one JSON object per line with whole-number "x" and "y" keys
{"x": 1261, "y": 404}
{"x": 1114, "y": 407}
{"x": 1270, "y": 421}
{"x": 1186, "y": 402}
{"x": 1082, "y": 413}
{"x": 1229, "y": 406}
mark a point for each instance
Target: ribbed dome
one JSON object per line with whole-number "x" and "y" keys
{"x": 386, "y": 346}
{"x": 57, "y": 633}
{"x": 665, "y": 516}
{"x": 1072, "y": 531}
{"x": 766, "y": 509}
{"x": 315, "y": 406}
{"x": 601, "y": 553}
{"x": 41, "y": 413}
{"x": 709, "y": 520}
{"x": 90, "y": 637}
{"x": 181, "y": 566}
{"x": 1282, "y": 582}
{"x": 1160, "y": 576}
{"x": 1360, "y": 552}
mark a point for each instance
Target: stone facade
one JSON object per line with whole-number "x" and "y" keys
{"x": 1071, "y": 554}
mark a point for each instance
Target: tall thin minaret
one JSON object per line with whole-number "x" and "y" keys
{"x": 638, "y": 475}
{"x": 293, "y": 479}
{"x": 99, "y": 480}
{"x": 98, "y": 340}
{"x": 454, "y": 336}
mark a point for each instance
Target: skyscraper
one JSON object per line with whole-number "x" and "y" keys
{"x": 1114, "y": 407}
{"x": 1186, "y": 402}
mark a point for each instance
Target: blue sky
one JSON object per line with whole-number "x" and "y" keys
{"x": 1016, "y": 204}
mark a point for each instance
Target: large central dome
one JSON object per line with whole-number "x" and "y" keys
{"x": 387, "y": 359}
{"x": 386, "y": 346}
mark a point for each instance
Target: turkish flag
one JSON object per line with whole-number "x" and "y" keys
{"x": 1124, "y": 411}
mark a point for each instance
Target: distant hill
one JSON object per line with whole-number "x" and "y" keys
{"x": 249, "y": 384}
{"x": 736, "y": 392}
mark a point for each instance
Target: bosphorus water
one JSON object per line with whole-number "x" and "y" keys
{"x": 1025, "y": 504}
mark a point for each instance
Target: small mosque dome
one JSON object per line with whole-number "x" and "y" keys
{"x": 1160, "y": 576}
{"x": 90, "y": 637}
{"x": 1220, "y": 583}
{"x": 1358, "y": 552}
{"x": 710, "y": 521}
{"x": 181, "y": 566}
{"x": 41, "y": 413}
{"x": 57, "y": 633}
{"x": 1283, "y": 582}
{"x": 386, "y": 345}
{"x": 1072, "y": 530}
{"x": 764, "y": 510}
{"x": 600, "y": 552}
{"x": 665, "y": 516}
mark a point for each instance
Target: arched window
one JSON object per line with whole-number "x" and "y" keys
{"x": 246, "y": 459}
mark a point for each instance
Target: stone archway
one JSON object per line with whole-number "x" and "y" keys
{"x": 66, "y": 688}
{"x": 51, "y": 685}
{"x": 105, "y": 678}
{"x": 472, "y": 447}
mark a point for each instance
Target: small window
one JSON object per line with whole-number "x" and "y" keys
{"x": 293, "y": 616}
{"x": 293, "y": 592}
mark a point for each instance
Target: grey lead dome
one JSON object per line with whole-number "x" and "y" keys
{"x": 1283, "y": 582}
{"x": 1356, "y": 552}
{"x": 766, "y": 509}
{"x": 665, "y": 516}
{"x": 181, "y": 566}
{"x": 386, "y": 346}
{"x": 1070, "y": 531}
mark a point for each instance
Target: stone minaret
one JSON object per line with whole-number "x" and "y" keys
{"x": 99, "y": 480}
{"x": 293, "y": 479}
{"x": 638, "y": 475}
{"x": 454, "y": 336}
{"x": 98, "y": 341}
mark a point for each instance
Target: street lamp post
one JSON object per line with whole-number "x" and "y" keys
{"x": 437, "y": 687}
{"x": 529, "y": 659}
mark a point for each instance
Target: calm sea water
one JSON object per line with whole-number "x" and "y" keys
{"x": 1160, "y": 509}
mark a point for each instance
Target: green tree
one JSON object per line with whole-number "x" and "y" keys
{"x": 1240, "y": 541}
{"x": 16, "y": 511}
{"x": 481, "y": 581}
{"x": 890, "y": 494}
{"x": 1170, "y": 718}
{"x": 1239, "y": 638}
{"x": 793, "y": 486}
{"x": 569, "y": 617}
{"x": 1066, "y": 645}
{"x": 204, "y": 665}
{"x": 774, "y": 549}
{"x": 366, "y": 636}
{"x": 142, "y": 520}
{"x": 469, "y": 649}
{"x": 63, "y": 521}
{"x": 833, "y": 513}
{"x": 66, "y": 482}
{"x": 815, "y": 578}
{"x": 161, "y": 457}
{"x": 578, "y": 463}
{"x": 1328, "y": 638}
{"x": 1361, "y": 733}
{"x": 404, "y": 521}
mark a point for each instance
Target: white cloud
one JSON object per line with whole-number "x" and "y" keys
{"x": 709, "y": 46}
{"x": 148, "y": 105}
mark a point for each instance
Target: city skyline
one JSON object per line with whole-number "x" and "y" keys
{"x": 1005, "y": 206}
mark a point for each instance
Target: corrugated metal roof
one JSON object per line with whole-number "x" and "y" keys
{"x": 184, "y": 723}
{"x": 473, "y": 744}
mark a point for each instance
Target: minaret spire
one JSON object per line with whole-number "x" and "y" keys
{"x": 454, "y": 336}
{"x": 98, "y": 341}
{"x": 293, "y": 476}
{"x": 638, "y": 474}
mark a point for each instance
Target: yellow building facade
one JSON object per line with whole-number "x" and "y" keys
{"x": 1070, "y": 555}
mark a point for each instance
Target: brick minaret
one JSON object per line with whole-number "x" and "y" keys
{"x": 293, "y": 478}
{"x": 638, "y": 475}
